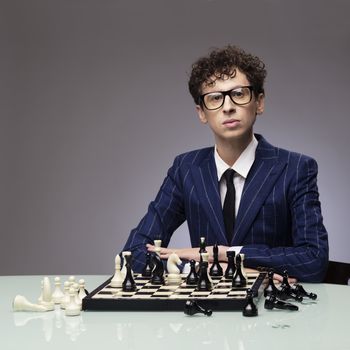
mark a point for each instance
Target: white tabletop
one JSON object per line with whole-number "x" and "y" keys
{"x": 320, "y": 324}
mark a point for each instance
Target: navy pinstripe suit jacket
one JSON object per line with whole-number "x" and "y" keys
{"x": 279, "y": 221}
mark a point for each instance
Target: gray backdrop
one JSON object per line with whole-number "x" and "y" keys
{"x": 94, "y": 107}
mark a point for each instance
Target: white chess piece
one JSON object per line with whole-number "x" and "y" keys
{"x": 41, "y": 291}
{"x": 66, "y": 298}
{"x": 174, "y": 276}
{"x": 157, "y": 245}
{"x": 20, "y": 303}
{"x": 205, "y": 258}
{"x": 242, "y": 266}
{"x": 72, "y": 309}
{"x": 57, "y": 294}
{"x": 82, "y": 294}
{"x": 118, "y": 277}
{"x": 71, "y": 280}
{"x": 76, "y": 294}
{"x": 47, "y": 296}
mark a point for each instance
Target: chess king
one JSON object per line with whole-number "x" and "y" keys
{"x": 243, "y": 193}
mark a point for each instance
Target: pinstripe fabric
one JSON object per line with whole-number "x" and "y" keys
{"x": 279, "y": 221}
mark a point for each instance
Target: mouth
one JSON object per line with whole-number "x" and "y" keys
{"x": 231, "y": 123}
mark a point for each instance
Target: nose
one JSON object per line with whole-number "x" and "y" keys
{"x": 228, "y": 106}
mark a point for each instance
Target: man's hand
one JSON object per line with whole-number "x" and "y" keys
{"x": 189, "y": 253}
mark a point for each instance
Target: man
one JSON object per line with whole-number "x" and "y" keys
{"x": 243, "y": 194}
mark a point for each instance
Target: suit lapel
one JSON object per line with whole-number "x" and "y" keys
{"x": 261, "y": 178}
{"x": 206, "y": 184}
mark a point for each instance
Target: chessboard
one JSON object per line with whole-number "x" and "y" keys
{"x": 150, "y": 297}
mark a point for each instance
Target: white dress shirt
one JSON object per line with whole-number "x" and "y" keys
{"x": 241, "y": 168}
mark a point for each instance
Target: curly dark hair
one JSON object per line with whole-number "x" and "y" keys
{"x": 222, "y": 63}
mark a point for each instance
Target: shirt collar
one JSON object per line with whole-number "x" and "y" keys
{"x": 242, "y": 164}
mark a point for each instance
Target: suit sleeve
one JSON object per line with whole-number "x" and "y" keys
{"x": 164, "y": 215}
{"x": 307, "y": 258}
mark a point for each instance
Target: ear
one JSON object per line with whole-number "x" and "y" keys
{"x": 201, "y": 114}
{"x": 260, "y": 104}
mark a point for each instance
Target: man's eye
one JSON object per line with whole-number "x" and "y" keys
{"x": 215, "y": 98}
{"x": 237, "y": 93}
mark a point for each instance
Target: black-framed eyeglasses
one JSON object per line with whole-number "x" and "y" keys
{"x": 241, "y": 95}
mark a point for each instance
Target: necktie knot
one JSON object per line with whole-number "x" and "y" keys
{"x": 228, "y": 175}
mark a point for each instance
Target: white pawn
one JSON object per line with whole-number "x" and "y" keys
{"x": 76, "y": 295}
{"x": 82, "y": 294}
{"x": 20, "y": 303}
{"x": 72, "y": 309}
{"x": 118, "y": 277}
{"x": 71, "y": 280}
{"x": 157, "y": 245}
{"x": 57, "y": 294}
{"x": 66, "y": 298}
{"x": 47, "y": 296}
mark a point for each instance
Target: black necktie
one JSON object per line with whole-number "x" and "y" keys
{"x": 229, "y": 204}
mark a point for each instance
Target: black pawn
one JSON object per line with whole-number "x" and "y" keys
{"x": 147, "y": 270}
{"x": 192, "y": 308}
{"x": 204, "y": 283}
{"x": 271, "y": 302}
{"x": 231, "y": 268}
{"x": 216, "y": 269}
{"x": 270, "y": 289}
{"x": 286, "y": 291}
{"x": 299, "y": 290}
{"x": 238, "y": 279}
{"x": 250, "y": 308}
{"x": 192, "y": 277}
{"x": 202, "y": 248}
{"x": 129, "y": 284}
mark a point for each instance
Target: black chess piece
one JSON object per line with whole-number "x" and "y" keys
{"x": 299, "y": 290}
{"x": 129, "y": 284}
{"x": 285, "y": 292}
{"x": 216, "y": 269}
{"x": 158, "y": 271}
{"x": 147, "y": 270}
{"x": 231, "y": 268}
{"x": 202, "y": 248}
{"x": 271, "y": 302}
{"x": 238, "y": 279}
{"x": 192, "y": 277}
{"x": 204, "y": 283}
{"x": 250, "y": 308}
{"x": 270, "y": 288}
{"x": 192, "y": 308}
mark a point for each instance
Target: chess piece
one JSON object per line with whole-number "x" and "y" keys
{"x": 20, "y": 303}
{"x": 57, "y": 294}
{"x": 231, "y": 268}
{"x": 299, "y": 290}
{"x": 128, "y": 284}
{"x": 82, "y": 291}
{"x": 270, "y": 288}
{"x": 147, "y": 270}
{"x": 271, "y": 302}
{"x": 47, "y": 296}
{"x": 158, "y": 271}
{"x": 157, "y": 246}
{"x": 118, "y": 276}
{"x": 192, "y": 277}
{"x": 66, "y": 298}
{"x": 285, "y": 292}
{"x": 192, "y": 308}
{"x": 204, "y": 282}
{"x": 216, "y": 269}
{"x": 250, "y": 308}
{"x": 72, "y": 309}
{"x": 41, "y": 291}
{"x": 202, "y": 248}
{"x": 238, "y": 279}
{"x": 174, "y": 277}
